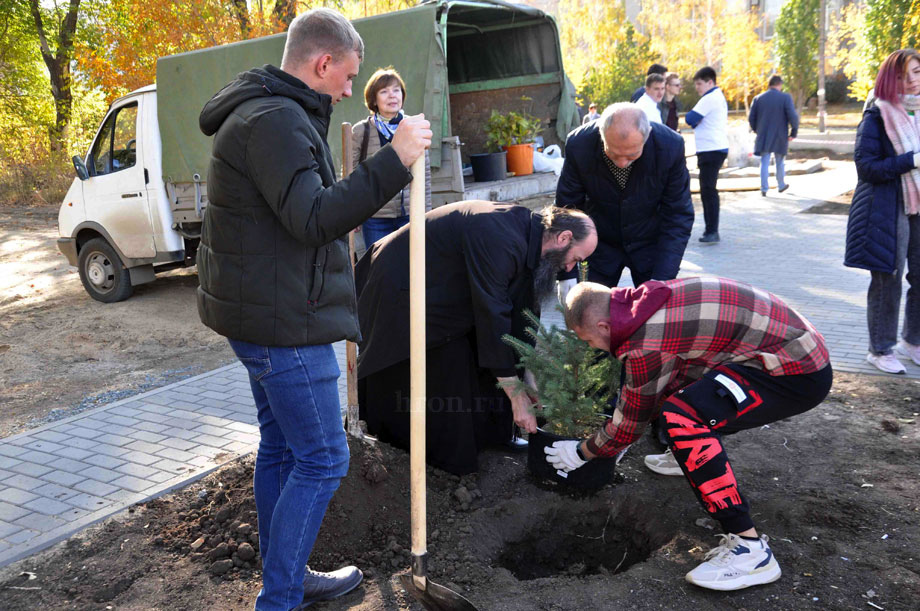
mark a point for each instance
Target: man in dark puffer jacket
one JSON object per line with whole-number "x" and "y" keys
{"x": 631, "y": 179}
{"x": 276, "y": 280}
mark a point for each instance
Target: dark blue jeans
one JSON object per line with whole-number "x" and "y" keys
{"x": 884, "y": 298}
{"x": 302, "y": 456}
{"x": 375, "y": 229}
{"x": 709, "y": 163}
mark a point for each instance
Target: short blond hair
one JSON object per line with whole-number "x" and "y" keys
{"x": 585, "y": 304}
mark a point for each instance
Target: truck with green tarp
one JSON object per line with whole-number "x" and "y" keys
{"x": 136, "y": 205}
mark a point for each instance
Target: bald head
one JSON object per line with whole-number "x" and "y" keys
{"x": 587, "y": 313}
{"x": 624, "y": 129}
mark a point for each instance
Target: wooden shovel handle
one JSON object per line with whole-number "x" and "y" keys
{"x": 351, "y": 349}
{"x": 417, "y": 363}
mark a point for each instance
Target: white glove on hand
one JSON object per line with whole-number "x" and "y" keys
{"x": 563, "y": 455}
{"x": 917, "y": 160}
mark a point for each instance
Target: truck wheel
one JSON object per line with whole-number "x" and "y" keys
{"x": 102, "y": 273}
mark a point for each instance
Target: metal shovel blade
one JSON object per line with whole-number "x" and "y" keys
{"x": 435, "y": 597}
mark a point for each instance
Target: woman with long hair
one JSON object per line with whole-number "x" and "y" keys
{"x": 883, "y": 231}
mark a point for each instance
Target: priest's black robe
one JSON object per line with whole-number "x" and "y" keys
{"x": 480, "y": 263}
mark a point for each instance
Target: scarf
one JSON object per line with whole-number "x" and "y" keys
{"x": 387, "y": 128}
{"x": 902, "y": 131}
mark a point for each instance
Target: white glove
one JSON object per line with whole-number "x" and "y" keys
{"x": 917, "y": 160}
{"x": 563, "y": 455}
{"x": 563, "y": 287}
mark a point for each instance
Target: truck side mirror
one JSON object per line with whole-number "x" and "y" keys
{"x": 80, "y": 167}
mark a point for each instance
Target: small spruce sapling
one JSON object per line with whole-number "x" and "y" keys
{"x": 574, "y": 381}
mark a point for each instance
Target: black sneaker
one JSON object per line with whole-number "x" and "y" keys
{"x": 710, "y": 238}
{"x": 326, "y": 586}
{"x": 763, "y": 193}
{"x": 784, "y": 188}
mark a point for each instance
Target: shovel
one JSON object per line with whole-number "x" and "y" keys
{"x": 432, "y": 596}
{"x": 351, "y": 349}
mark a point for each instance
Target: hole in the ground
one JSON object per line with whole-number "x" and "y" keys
{"x": 581, "y": 539}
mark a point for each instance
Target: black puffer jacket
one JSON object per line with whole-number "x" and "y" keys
{"x": 273, "y": 262}
{"x": 871, "y": 241}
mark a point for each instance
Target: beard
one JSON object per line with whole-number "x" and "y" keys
{"x": 544, "y": 277}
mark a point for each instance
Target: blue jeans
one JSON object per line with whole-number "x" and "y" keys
{"x": 884, "y": 299}
{"x": 374, "y": 228}
{"x": 302, "y": 456}
{"x": 765, "y": 170}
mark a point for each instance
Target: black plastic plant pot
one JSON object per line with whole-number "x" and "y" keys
{"x": 489, "y": 166}
{"x": 594, "y": 474}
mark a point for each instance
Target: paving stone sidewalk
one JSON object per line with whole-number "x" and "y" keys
{"x": 61, "y": 477}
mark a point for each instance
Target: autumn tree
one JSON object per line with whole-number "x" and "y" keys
{"x": 54, "y": 29}
{"x": 605, "y": 57}
{"x": 26, "y": 111}
{"x": 848, "y": 51}
{"x": 685, "y": 35}
{"x": 910, "y": 35}
{"x": 122, "y": 39}
{"x": 796, "y": 45}
{"x": 746, "y": 61}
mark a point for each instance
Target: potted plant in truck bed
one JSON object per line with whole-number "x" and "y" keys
{"x": 574, "y": 383}
{"x": 515, "y": 133}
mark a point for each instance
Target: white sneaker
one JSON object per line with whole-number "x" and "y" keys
{"x": 909, "y": 350}
{"x": 735, "y": 564}
{"x": 888, "y": 363}
{"x": 665, "y": 464}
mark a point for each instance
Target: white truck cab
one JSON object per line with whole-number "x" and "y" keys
{"x": 120, "y": 222}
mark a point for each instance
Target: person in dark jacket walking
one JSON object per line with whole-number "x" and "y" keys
{"x": 631, "y": 178}
{"x": 485, "y": 264}
{"x": 774, "y": 119}
{"x": 883, "y": 229}
{"x": 275, "y": 279}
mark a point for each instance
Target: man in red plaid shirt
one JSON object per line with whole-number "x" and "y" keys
{"x": 707, "y": 357}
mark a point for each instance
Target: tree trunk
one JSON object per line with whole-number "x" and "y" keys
{"x": 285, "y": 11}
{"x": 242, "y": 15}
{"x": 58, "y": 63}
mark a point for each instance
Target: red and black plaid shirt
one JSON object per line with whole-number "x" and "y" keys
{"x": 706, "y": 322}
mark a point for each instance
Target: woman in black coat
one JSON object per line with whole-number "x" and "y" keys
{"x": 883, "y": 231}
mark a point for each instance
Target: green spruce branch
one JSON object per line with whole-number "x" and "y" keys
{"x": 574, "y": 381}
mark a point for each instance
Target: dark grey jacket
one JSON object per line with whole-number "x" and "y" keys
{"x": 273, "y": 263}
{"x": 774, "y": 119}
{"x": 645, "y": 226}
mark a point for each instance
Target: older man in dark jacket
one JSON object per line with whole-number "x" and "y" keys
{"x": 631, "y": 179}
{"x": 276, "y": 279}
{"x": 485, "y": 264}
{"x": 774, "y": 119}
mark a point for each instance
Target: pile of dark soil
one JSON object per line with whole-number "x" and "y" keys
{"x": 837, "y": 489}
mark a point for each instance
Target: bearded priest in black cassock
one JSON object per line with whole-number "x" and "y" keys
{"x": 485, "y": 264}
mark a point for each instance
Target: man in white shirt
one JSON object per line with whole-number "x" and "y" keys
{"x": 654, "y": 92}
{"x": 709, "y": 120}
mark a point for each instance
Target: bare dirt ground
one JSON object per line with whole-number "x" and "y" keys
{"x": 837, "y": 489}
{"x": 61, "y": 351}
